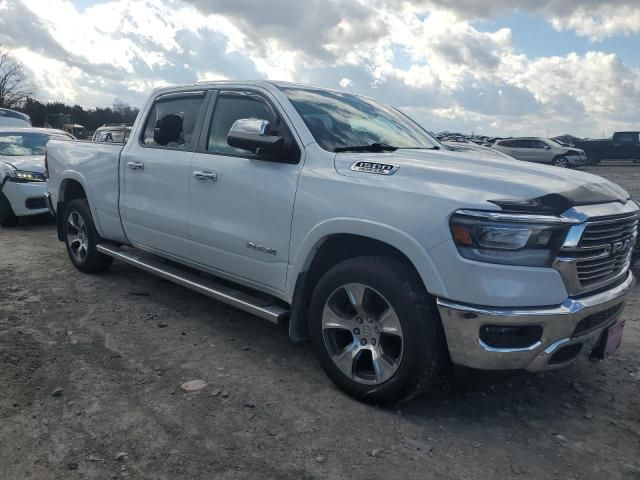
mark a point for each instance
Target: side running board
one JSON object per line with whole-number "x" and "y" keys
{"x": 263, "y": 307}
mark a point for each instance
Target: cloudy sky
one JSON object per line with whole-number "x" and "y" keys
{"x": 489, "y": 66}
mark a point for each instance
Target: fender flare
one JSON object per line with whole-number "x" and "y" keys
{"x": 402, "y": 241}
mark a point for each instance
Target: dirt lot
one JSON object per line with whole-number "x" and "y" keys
{"x": 91, "y": 368}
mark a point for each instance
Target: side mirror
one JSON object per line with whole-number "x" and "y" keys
{"x": 253, "y": 134}
{"x": 547, "y": 147}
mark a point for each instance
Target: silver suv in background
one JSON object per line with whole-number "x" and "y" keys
{"x": 110, "y": 133}
{"x": 542, "y": 150}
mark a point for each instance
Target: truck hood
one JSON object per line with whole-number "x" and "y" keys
{"x": 29, "y": 163}
{"x": 487, "y": 182}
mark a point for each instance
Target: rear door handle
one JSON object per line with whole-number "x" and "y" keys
{"x": 135, "y": 165}
{"x": 210, "y": 176}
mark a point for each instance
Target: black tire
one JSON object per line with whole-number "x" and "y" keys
{"x": 594, "y": 159}
{"x": 423, "y": 342}
{"x": 7, "y": 217}
{"x": 93, "y": 261}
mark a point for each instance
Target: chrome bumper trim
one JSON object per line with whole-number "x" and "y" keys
{"x": 462, "y": 328}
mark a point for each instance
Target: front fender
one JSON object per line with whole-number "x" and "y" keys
{"x": 303, "y": 254}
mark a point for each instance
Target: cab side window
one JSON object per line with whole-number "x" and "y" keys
{"x": 172, "y": 122}
{"x": 231, "y": 106}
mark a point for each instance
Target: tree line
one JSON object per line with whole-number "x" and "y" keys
{"x": 16, "y": 93}
{"x": 91, "y": 119}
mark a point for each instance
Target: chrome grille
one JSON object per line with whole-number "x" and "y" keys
{"x": 598, "y": 251}
{"x": 605, "y": 249}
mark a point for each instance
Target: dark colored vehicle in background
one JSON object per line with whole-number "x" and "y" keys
{"x": 112, "y": 133}
{"x": 623, "y": 146}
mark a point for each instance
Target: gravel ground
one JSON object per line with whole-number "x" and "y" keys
{"x": 91, "y": 368}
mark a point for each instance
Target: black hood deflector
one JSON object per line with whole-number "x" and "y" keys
{"x": 558, "y": 203}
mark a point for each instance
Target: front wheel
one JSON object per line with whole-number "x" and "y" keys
{"x": 375, "y": 329}
{"x": 81, "y": 238}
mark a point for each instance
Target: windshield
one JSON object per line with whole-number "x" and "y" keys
{"x": 341, "y": 120}
{"x": 24, "y": 144}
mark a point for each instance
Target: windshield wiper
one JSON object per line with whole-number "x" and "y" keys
{"x": 435, "y": 147}
{"x": 373, "y": 147}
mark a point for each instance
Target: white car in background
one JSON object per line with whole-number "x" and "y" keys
{"x": 11, "y": 118}
{"x": 542, "y": 150}
{"x": 22, "y": 179}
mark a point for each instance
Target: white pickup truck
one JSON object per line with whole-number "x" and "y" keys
{"x": 392, "y": 253}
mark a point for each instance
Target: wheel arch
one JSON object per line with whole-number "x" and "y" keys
{"x": 333, "y": 242}
{"x": 71, "y": 187}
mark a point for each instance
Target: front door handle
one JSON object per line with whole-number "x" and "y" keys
{"x": 210, "y": 176}
{"x": 135, "y": 165}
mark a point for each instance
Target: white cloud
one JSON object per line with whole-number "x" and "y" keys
{"x": 426, "y": 57}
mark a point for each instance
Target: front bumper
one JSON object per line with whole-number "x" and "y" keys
{"x": 562, "y": 326}
{"x": 26, "y": 198}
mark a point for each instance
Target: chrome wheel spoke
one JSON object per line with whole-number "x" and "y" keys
{"x": 331, "y": 319}
{"x": 345, "y": 359}
{"x": 383, "y": 367}
{"x": 389, "y": 323}
{"x": 355, "y": 292}
{"x": 73, "y": 221}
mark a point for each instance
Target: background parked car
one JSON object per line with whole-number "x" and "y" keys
{"x": 22, "y": 179}
{"x": 112, "y": 133}
{"x": 622, "y": 146}
{"x": 542, "y": 150}
{"x": 11, "y": 118}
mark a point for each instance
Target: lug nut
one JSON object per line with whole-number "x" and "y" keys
{"x": 363, "y": 342}
{"x": 359, "y": 320}
{"x": 373, "y": 341}
{"x": 356, "y": 331}
{"x": 376, "y": 330}
{"x": 369, "y": 320}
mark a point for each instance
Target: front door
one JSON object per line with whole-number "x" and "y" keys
{"x": 156, "y": 172}
{"x": 241, "y": 205}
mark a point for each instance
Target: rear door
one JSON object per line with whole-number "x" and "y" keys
{"x": 625, "y": 145}
{"x": 156, "y": 171}
{"x": 241, "y": 205}
{"x": 517, "y": 149}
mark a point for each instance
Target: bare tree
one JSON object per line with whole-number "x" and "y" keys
{"x": 14, "y": 86}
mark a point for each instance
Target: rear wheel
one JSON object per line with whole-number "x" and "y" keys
{"x": 594, "y": 159}
{"x": 7, "y": 217}
{"x": 561, "y": 162}
{"x": 375, "y": 331}
{"x": 81, "y": 238}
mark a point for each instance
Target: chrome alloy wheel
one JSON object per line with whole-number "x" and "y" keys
{"x": 561, "y": 162}
{"x": 77, "y": 236}
{"x": 362, "y": 334}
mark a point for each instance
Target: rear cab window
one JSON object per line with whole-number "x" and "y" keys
{"x": 174, "y": 121}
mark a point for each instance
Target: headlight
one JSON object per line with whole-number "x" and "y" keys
{"x": 508, "y": 243}
{"x": 22, "y": 176}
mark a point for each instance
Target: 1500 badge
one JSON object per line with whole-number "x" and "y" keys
{"x": 377, "y": 168}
